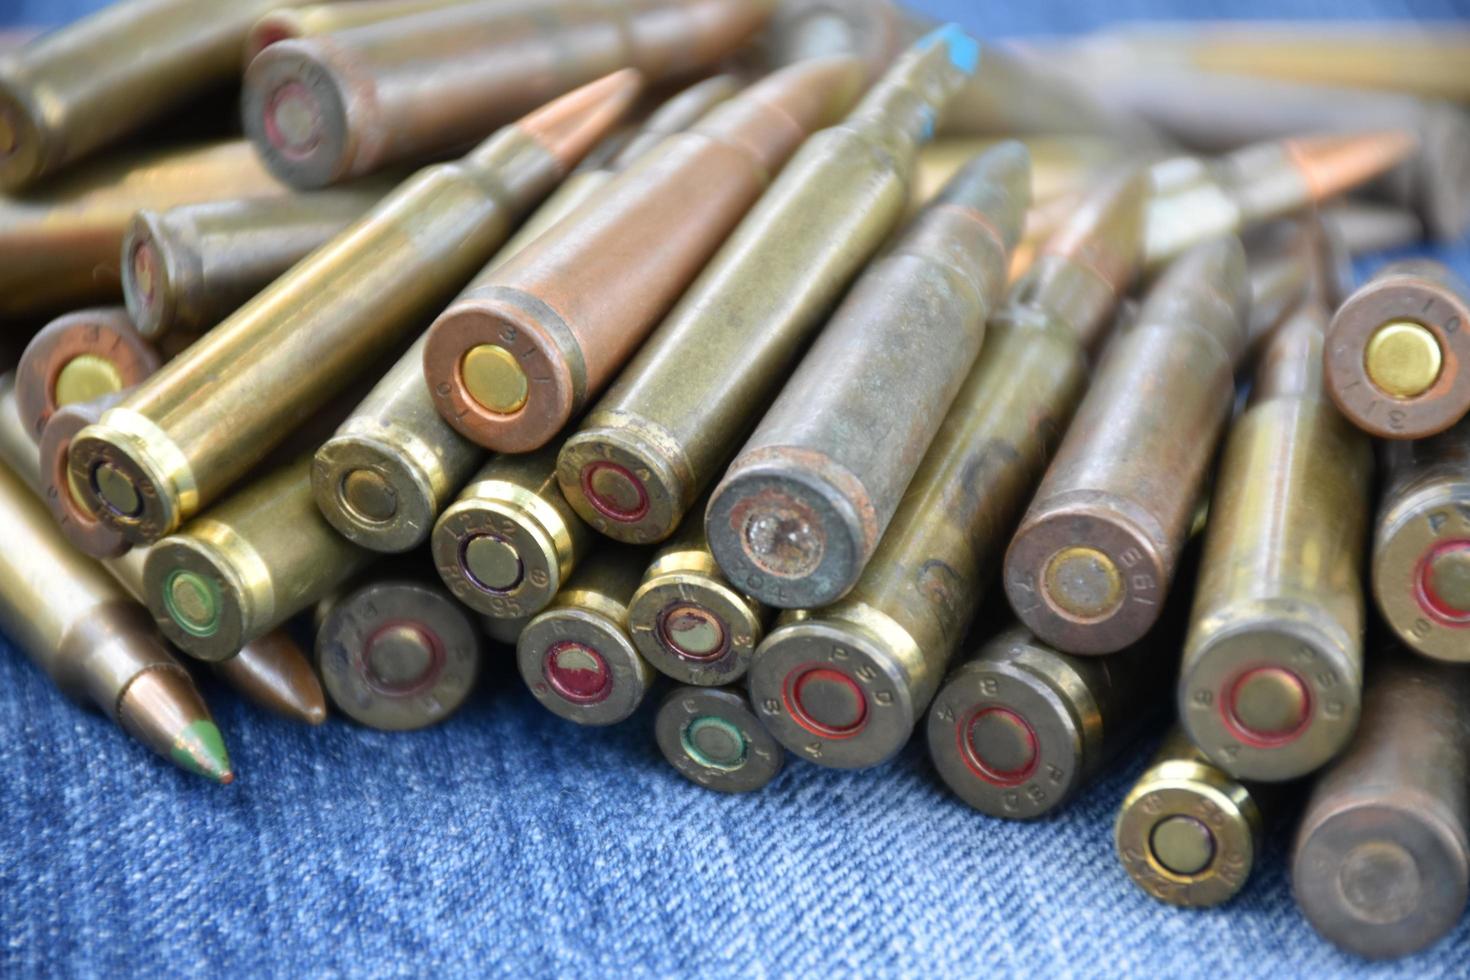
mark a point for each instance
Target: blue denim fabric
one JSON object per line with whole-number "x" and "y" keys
{"x": 508, "y": 841}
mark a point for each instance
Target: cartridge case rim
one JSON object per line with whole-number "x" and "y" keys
{"x": 544, "y": 347}
{"x": 82, "y": 528}
{"x": 1319, "y": 657}
{"x": 331, "y": 153}
{"x": 343, "y": 642}
{"x": 764, "y": 757}
{"x": 1407, "y": 824}
{"x": 740, "y": 625}
{"x": 1182, "y": 787}
{"x": 105, "y": 332}
{"x": 650, "y": 461}
{"x": 835, "y": 505}
{"x": 1405, "y": 542}
{"x": 628, "y": 675}
{"x": 153, "y": 306}
{"x": 1402, "y": 297}
{"x": 1059, "y": 745}
{"x": 147, "y": 459}
{"x": 1116, "y": 528}
{"x": 31, "y": 148}
{"x": 402, "y": 471}
{"x": 793, "y": 651}
{"x": 542, "y": 542}
{"x": 232, "y": 598}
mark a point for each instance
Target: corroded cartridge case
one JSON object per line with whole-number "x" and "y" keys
{"x": 69, "y": 92}
{"x": 656, "y": 441}
{"x": 246, "y": 565}
{"x": 1398, "y": 351}
{"x": 1381, "y": 865}
{"x": 517, "y": 356}
{"x": 187, "y": 268}
{"x": 1188, "y": 833}
{"x": 397, "y": 653}
{"x": 1421, "y": 550}
{"x": 1272, "y": 674}
{"x": 322, "y": 109}
{"x": 510, "y": 540}
{"x": 1092, "y": 562}
{"x": 1020, "y": 728}
{"x": 804, "y": 504}
{"x": 394, "y": 464}
{"x": 845, "y": 685}
{"x": 686, "y": 618}
{"x": 711, "y": 737}
{"x": 576, "y": 655}
{"x": 180, "y": 439}
{"x": 77, "y": 358}
{"x": 59, "y": 245}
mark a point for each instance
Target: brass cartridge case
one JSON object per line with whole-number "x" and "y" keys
{"x": 711, "y": 737}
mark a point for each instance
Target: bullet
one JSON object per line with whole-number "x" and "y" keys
{"x": 186, "y": 268}
{"x": 1398, "y": 351}
{"x": 77, "y": 358}
{"x": 1381, "y": 863}
{"x": 75, "y": 518}
{"x": 686, "y": 618}
{"x": 181, "y": 438}
{"x": 79, "y": 626}
{"x": 510, "y": 540}
{"x": 1091, "y": 565}
{"x": 322, "y": 109}
{"x": 576, "y": 655}
{"x": 514, "y": 359}
{"x": 800, "y": 511}
{"x": 69, "y": 92}
{"x": 844, "y": 686}
{"x": 59, "y": 245}
{"x": 1425, "y": 58}
{"x": 1020, "y": 728}
{"x": 1200, "y": 199}
{"x": 397, "y": 653}
{"x": 875, "y": 31}
{"x": 1059, "y": 164}
{"x": 1215, "y": 113}
{"x": 1187, "y": 833}
{"x": 658, "y": 438}
{"x": 394, "y": 464}
{"x": 711, "y": 737}
{"x": 1272, "y": 673}
{"x": 1421, "y": 548}
{"x": 248, "y": 564}
{"x": 316, "y": 19}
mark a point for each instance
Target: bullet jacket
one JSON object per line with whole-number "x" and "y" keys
{"x": 1091, "y": 565}
{"x": 576, "y": 655}
{"x": 711, "y": 737}
{"x": 804, "y": 504}
{"x": 1398, "y": 352}
{"x": 1421, "y": 550}
{"x": 656, "y": 441}
{"x": 1381, "y": 864}
{"x": 69, "y": 92}
{"x": 180, "y": 439}
{"x": 322, "y": 109}
{"x": 518, "y": 356}
{"x": 394, "y": 464}
{"x": 1272, "y": 673}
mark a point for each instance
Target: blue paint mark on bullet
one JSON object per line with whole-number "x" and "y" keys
{"x": 964, "y": 50}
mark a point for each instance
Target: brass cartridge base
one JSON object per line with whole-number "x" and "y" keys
{"x": 1421, "y": 571}
{"x": 691, "y": 625}
{"x": 713, "y": 738}
{"x": 503, "y": 551}
{"x": 375, "y": 493}
{"x": 131, "y": 474}
{"x": 580, "y": 664}
{"x": 626, "y": 478}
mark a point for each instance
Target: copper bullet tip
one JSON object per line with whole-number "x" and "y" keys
{"x": 274, "y": 673}
{"x": 1105, "y": 233}
{"x": 162, "y": 709}
{"x": 1331, "y": 165}
{"x": 568, "y": 126}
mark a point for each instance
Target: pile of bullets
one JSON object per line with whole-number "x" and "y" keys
{"x": 825, "y": 374}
